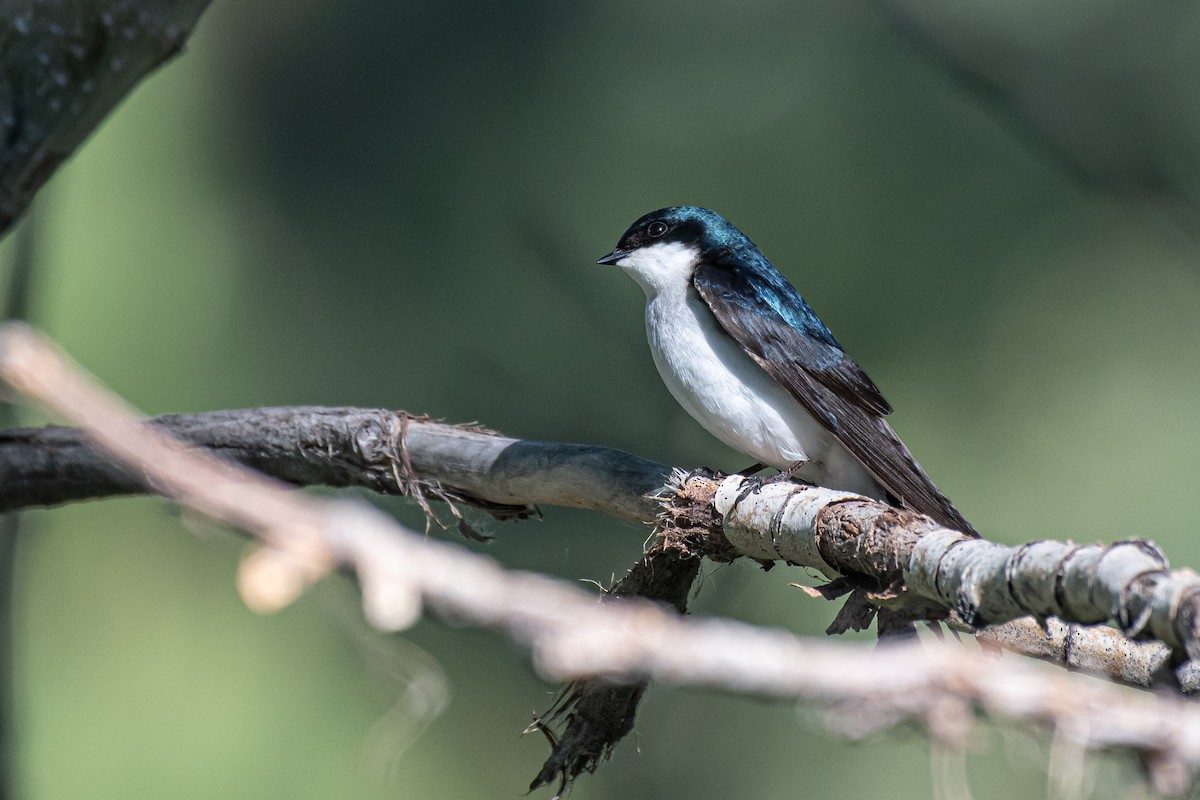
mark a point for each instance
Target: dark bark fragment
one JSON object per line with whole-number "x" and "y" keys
{"x": 596, "y": 715}
{"x": 64, "y": 65}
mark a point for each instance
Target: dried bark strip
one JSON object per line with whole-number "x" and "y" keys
{"x": 595, "y": 715}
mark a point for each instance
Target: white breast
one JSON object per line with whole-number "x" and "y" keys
{"x": 710, "y": 375}
{"x": 719, "y": 385}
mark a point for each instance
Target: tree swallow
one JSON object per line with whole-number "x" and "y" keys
{"x": 745, "y": 355}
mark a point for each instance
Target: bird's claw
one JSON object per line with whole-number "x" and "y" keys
{"x": 751, "y": 484}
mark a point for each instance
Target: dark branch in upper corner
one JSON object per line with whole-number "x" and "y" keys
{"x": 385, "y": 451}
{"x": 63, "y": 67}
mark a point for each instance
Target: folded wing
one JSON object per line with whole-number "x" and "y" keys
{"x": 772, "y": 323}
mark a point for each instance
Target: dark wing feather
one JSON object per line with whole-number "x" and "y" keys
{"x": 772, "y": 323}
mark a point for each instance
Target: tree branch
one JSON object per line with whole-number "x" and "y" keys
{"x": 64, "y": 64}
{"x": 938, "y": 687}
{"x": 840, "y": 534}
{"x": 596, "y": 714}
{"x": 384, "y": 451}
{"x": 932, "y": 571}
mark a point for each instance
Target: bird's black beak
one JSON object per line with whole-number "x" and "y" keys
{"x": 613, "y": 257}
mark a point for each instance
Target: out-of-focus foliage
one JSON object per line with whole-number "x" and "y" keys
{"x": 399, "y": 204}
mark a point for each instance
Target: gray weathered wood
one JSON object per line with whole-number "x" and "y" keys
{"x": 347, "y": 447}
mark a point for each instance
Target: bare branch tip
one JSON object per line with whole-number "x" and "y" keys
{"x": 22, "y": 351}
{"x": 270, "y": 579}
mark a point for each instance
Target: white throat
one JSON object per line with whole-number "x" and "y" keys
{"x": 662, "y": 266}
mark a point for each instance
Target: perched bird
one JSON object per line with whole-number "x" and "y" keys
{"x": 744, "y": 354}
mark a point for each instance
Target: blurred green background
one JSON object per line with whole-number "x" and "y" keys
{"x": 399, "y": 204}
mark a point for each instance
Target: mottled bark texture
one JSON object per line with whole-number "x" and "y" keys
{"x": 910, "y": 566}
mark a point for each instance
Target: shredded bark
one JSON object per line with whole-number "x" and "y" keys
{"x": 689, "y": 524}
{"x": 589, "y": 718}
{"x": 410, "y": 484}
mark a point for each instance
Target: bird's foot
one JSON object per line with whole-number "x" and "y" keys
{"x": 784, "y": 474}
{"x": 788, "y": 474}
{"x": 795, "y": 467}
{"x": 752, "y": 484}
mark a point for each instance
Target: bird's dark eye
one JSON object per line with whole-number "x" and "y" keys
{"x": 656, "y": 229}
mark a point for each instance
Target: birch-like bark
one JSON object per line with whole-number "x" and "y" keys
{"x": 401, "y": 573}
{"x": 1127, "y": 583}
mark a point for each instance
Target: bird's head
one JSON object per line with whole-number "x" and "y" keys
{"x": 663, "y": 248}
